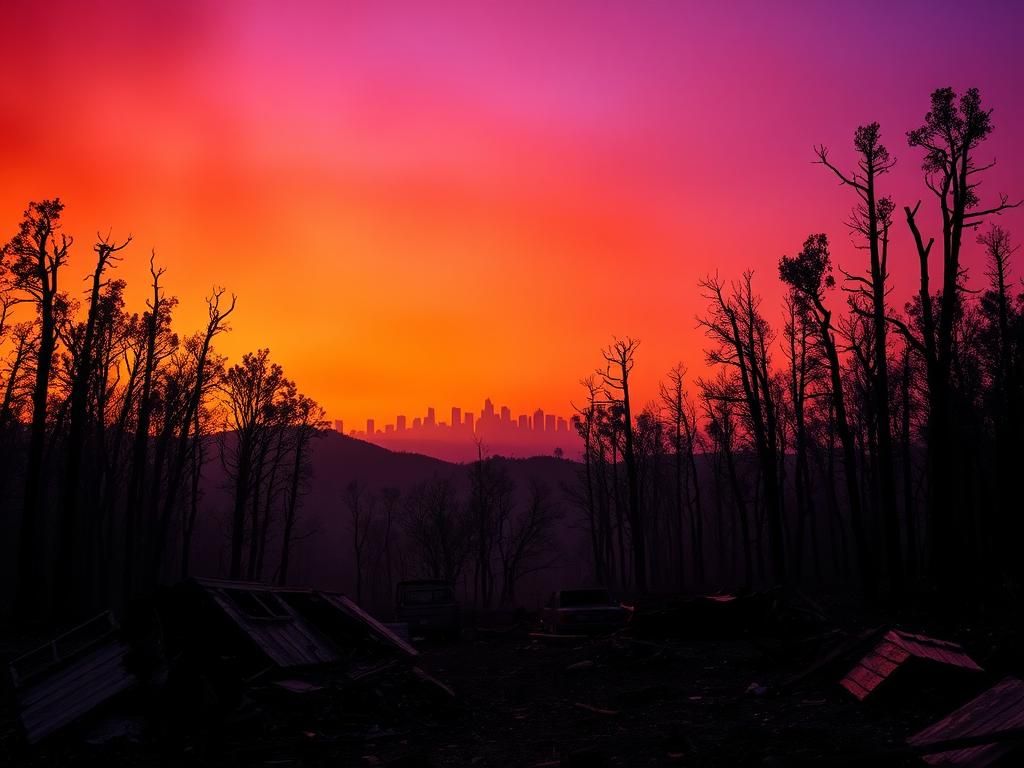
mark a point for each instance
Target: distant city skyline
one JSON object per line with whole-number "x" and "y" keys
{"x": 488, "y": 422}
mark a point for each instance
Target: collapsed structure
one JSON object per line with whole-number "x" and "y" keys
{"x": 206, "y": 651}
{"x": 901, "y": 653}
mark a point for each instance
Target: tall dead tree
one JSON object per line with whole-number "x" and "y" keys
{"x": 159, "y": 342}
{"x": 308, "y": 423}
{"x": 681, "y": 423}
{"x": 952, "y": 132}
{"x": 809, "y": 274}
{"x": 361, "y": 504}
{"x": 251, "y": 391}
{"x": 798, "y": 350}
{"x": 741, "y": 337}
{"x": 871, "y": 220}
{"x": 587, "y": 428}
{"x": 619, "y": 359}
{"x": 73, "y": 531}
{"x": 1003, "y": 322}
{"x": 207, "y": 368}
{"x": 35, "y": 255}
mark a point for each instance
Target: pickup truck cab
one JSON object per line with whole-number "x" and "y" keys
{"x": 429, "y": 608}
{"x": 583, "y": 611}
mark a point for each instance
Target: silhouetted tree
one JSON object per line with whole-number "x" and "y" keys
{"x": 953, "y": 130}
{"x": 526, "y": 539}
{"x": 252, "y": 390}
{"x": 34, "y": 257}
{"x": 809, "y": 274}
{"x": 619, "y": 359}
{"x": 361, "y": 505}
{"x": 871, "y": 220}
{"x": 741, "y": 338}
{"x": 439, "y": 528}
{"x": 158, "y": 342}
{"x": 308, "y": 422}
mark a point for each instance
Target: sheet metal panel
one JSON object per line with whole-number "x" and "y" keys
{"x": 60, "y": 696}
{"x": 999, "y": 708}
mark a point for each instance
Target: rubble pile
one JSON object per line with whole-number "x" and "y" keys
{"x": 228, "y": 673}
{"x": 241, "y": 674}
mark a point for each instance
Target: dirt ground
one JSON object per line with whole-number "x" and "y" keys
{"x": 511, "y": 697}
{"x": 620, "y": 702}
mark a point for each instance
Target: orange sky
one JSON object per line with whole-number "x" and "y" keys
{"x": 428, "y": 204}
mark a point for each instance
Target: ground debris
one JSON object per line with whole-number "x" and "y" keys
{"x": 499, "y": 699}
{"x": 596, "y": 710}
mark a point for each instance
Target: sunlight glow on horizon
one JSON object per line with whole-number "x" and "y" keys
{"x": 426, "y": 205}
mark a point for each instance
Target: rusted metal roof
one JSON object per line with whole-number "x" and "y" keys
{"x": 280, "y": 622}
{"x": 65, "y": 679}
{"x": 284, "y": 636}
{"x": 892, "y": 651}
{"x": 999, "y": 710}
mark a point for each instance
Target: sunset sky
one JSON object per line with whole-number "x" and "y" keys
{"x": 432, "y": 203}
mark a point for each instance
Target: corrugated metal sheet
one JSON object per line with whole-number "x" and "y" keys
{"x": 942, "y": 651}
{"x": 378, "y": 629}
{"x": 286, "y": 639}
{"x": 893, "y": 650}
{"x": 1000, "y": 708}
{"x": 51, "y": 697}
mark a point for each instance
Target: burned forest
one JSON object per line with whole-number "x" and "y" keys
{"x": 778, "y": 522}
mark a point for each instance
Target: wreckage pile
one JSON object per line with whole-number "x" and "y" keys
{"x": 225, "y": 672}
{"x": 235, "y": 673}
{"x": 759, "y": 679}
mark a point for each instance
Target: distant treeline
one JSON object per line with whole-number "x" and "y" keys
{"x": 856, "y": 441}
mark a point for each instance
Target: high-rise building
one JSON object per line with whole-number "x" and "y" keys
{"x": 400, "y": 423}
{"x": 538, "y": 420}
{"x": 524, "y": 423}
{"x": 563, "y": 425}
{"x": 549, "y": 423}
{"x": 456, "y": 418}
{"x": 429, "y": 421}
{"x": 369, "y": 428}
{"x": 506, "y": 414}
{"x": 339, "y": 425}
{"x": 488, "y": 411}
{"x": 389, "y": 428}
{"x": 416, "y": 423}
{"x": 469, "y": 421}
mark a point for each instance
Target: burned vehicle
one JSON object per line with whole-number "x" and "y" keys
{"x": 583, "y": 611}
{"x": 429, "y": 608}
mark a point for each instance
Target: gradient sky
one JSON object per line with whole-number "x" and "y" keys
{"x": 430, "y": 203}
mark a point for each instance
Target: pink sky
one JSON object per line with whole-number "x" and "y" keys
{"x": 430, "y": 203}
